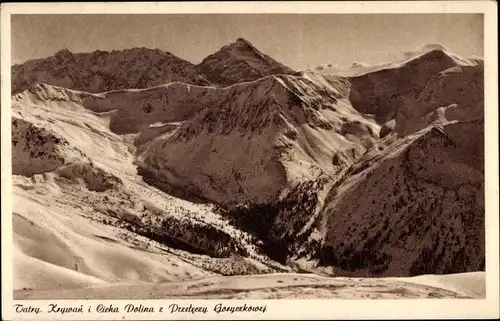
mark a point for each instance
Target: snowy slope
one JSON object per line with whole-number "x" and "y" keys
{"x": 259, "y": 139}
{"x": 93, "y": 180}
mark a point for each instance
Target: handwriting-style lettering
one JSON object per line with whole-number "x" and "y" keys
{"x": 20, "y": 308}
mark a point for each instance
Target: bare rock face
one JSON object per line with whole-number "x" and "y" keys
{"x": 37, "y": 150}
{"x": 387, "y": 128}
{"x": 102, "y": 71}
{"x": 419, "y": 209}
{"x": 238, "y": 62}
{"x": 95, "y": 178}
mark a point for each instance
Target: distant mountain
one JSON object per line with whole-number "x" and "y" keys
{"x": 237, "y": 62}
{"x": 361, "y": 68}
{"x": 101, "y": 71}
{"x": 426, "y": 86}
{"x": 435, "y": 86}
{"x": 412, "y": 54}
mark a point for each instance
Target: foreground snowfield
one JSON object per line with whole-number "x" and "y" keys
{"x": 60, "y": 255}
{"x": 279, "y": 286}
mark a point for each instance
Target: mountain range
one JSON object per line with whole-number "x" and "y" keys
{"x": 138, "y": 68}
{"x": 241, "y": 165}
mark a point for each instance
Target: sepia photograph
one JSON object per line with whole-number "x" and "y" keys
{"x": 250, "y": 156}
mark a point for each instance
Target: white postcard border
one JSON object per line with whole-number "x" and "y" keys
{"x": 278, "y": 309}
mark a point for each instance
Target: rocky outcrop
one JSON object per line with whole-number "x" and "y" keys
{"x": 36, "y": 150}
{"x": 95, "y": 178}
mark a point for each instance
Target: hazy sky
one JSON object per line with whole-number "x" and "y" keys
{"x": 299, "y": 41}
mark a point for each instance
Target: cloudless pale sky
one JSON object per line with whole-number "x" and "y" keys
{"x": 298, "y": 40}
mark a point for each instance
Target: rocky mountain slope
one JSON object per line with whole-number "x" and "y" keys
{"x": 101, "y": 71}
{"x": 417, "y": 208}
{"x": 238, "y": 62}
{"x": 270, "y": 170}
{"x": 294, "y": 193}
{"x": 436, "y": 86}
{"x": 259, "y": 139}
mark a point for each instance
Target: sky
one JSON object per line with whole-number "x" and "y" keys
{"x": 299, "y": 41}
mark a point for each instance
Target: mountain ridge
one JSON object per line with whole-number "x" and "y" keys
{"x": 100, "y": 71}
